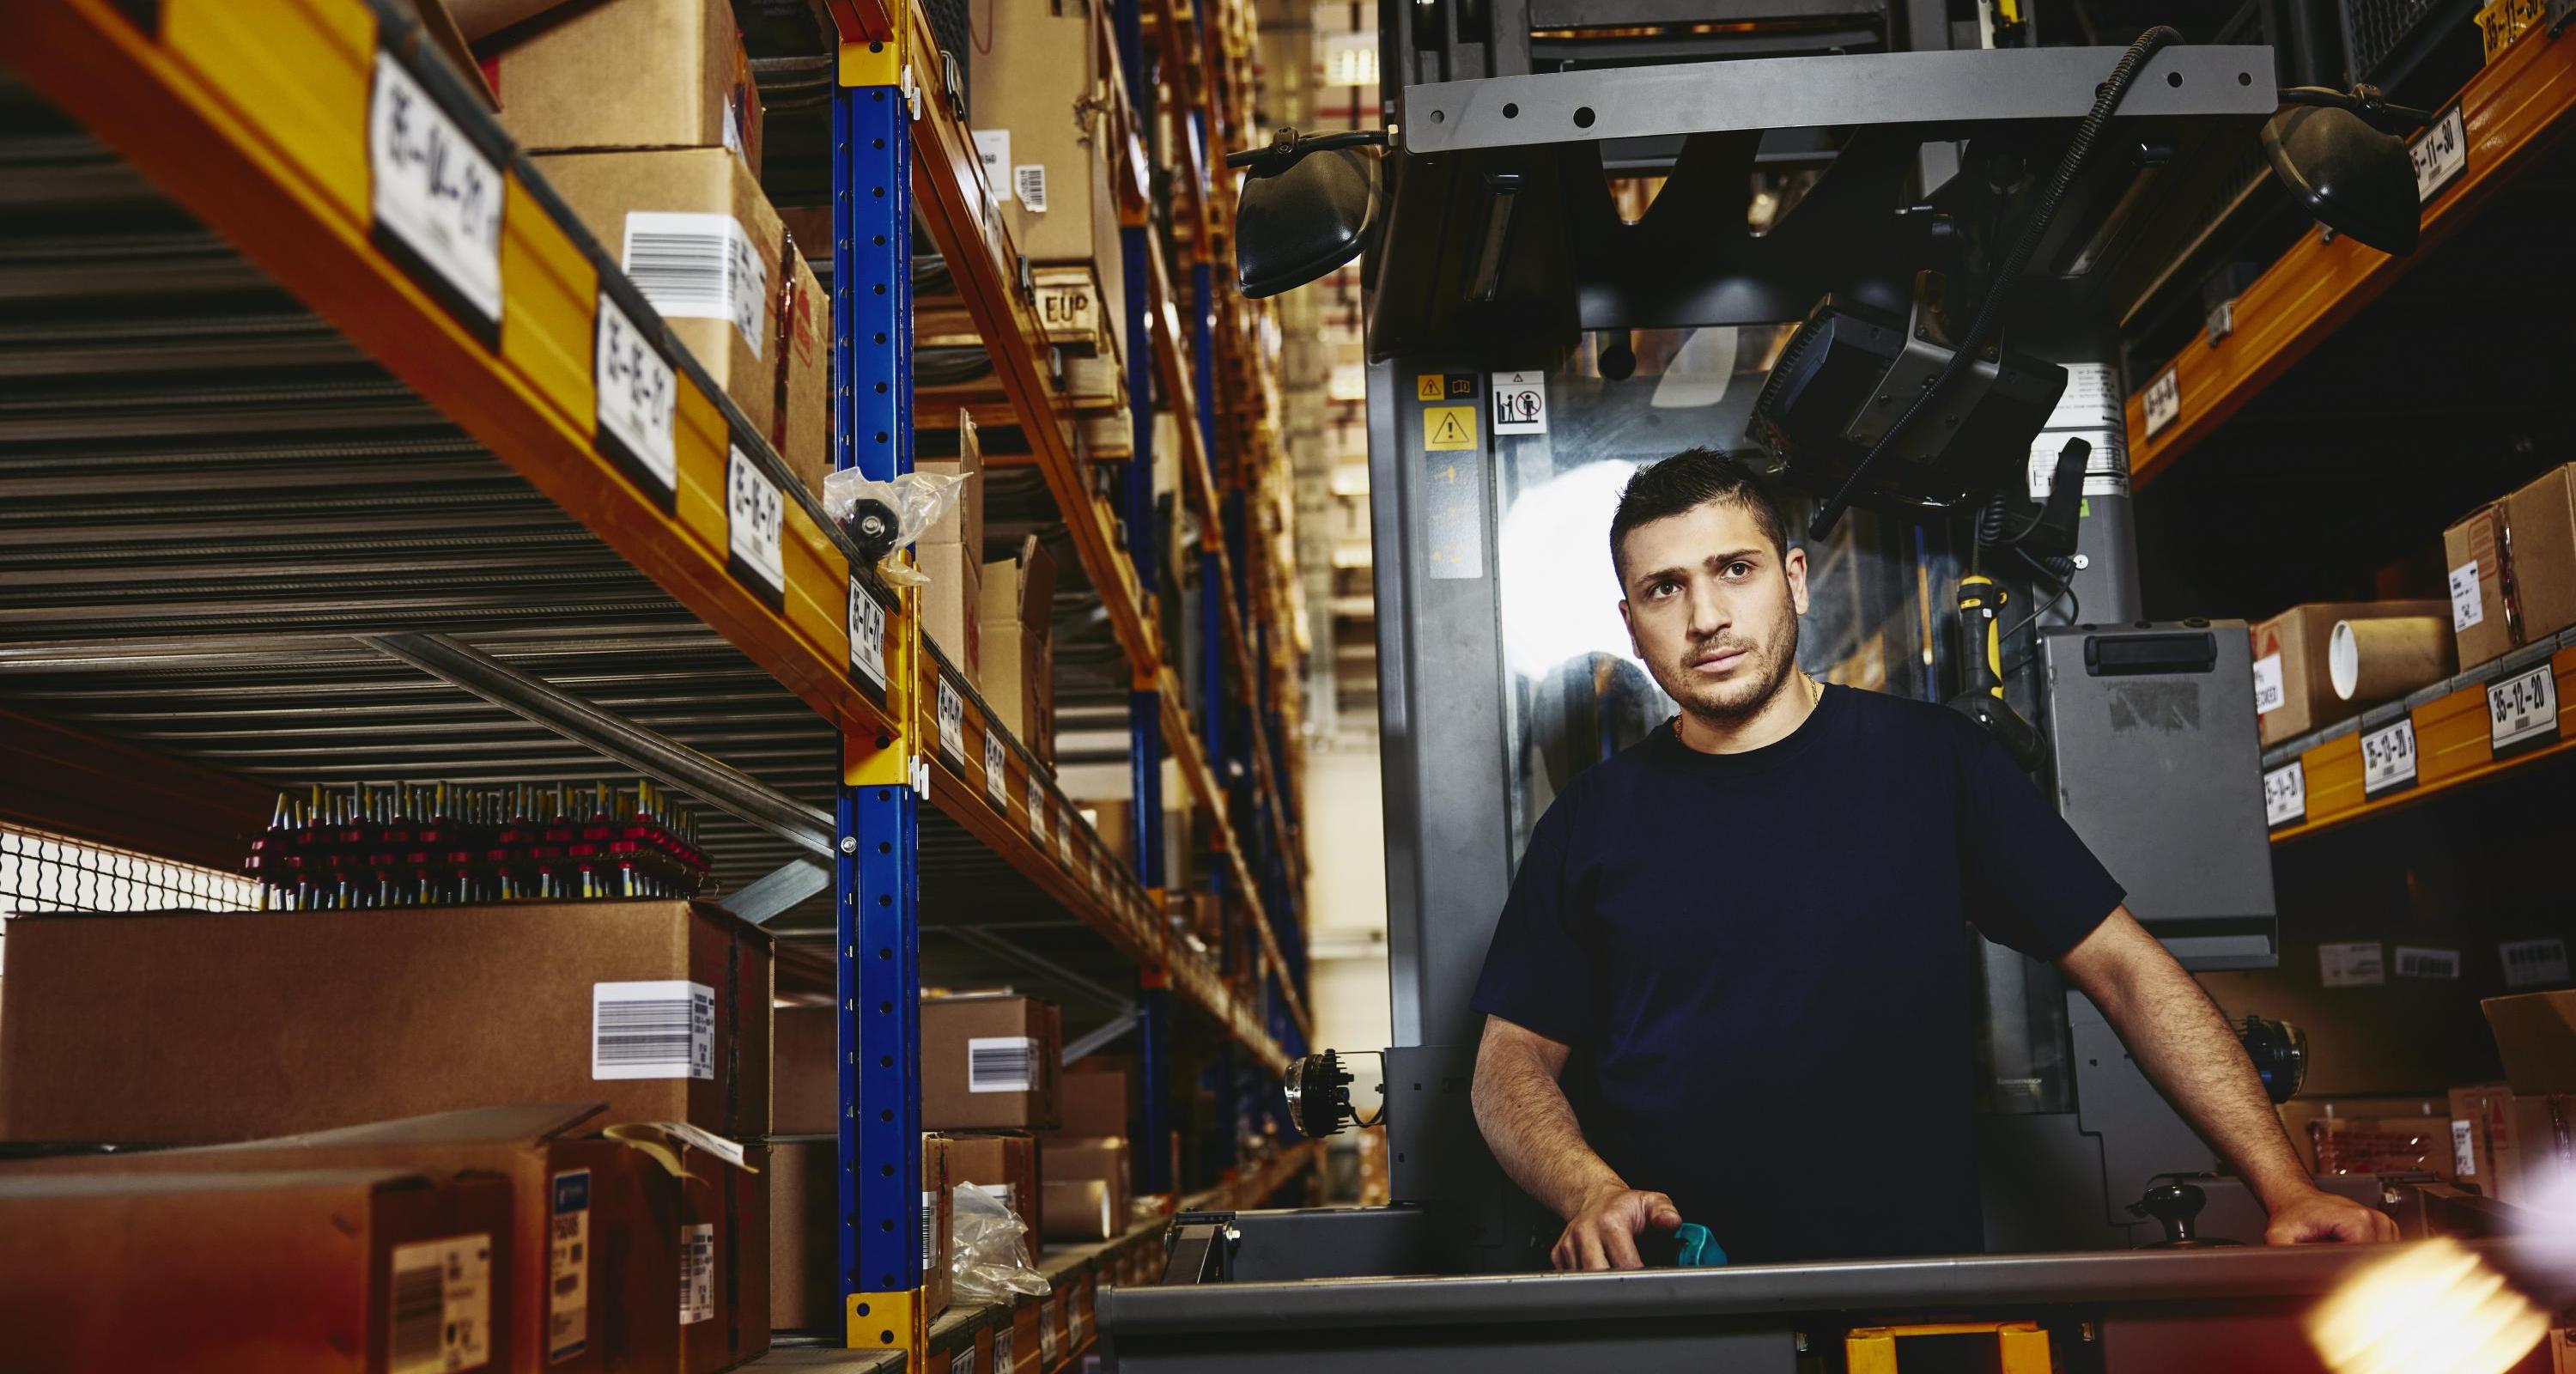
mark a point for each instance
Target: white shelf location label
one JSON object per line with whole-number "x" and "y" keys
{"x": 434, "y": 195}
{"x": 639, "y": 397}
{"x": 2522, "y": 708}
{"x": 867, "y": 634}
{"x": 755, "y": 520}
{"x": 2285, "y": 795}
{"x": 2388, "y": 757}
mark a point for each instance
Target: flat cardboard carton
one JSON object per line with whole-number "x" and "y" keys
{"x": 693, "y": 230}
{"x": 1005, "y": 1167}
{"x": 117, "y": 1028}
{"x": 802, "y": 433}
{"x": 319, "y": 1271}
{"x": 988, "y": 1063}
{"x": 948, "y": 604}
{"x": 2290, "y": 652}
{"x": 2535, "y": 1034}
{"x": 595, "y": 1222}
{"x": 627, "y": 74}
{"x": 1018, "y": 620}
{"x": 963, "y": 522}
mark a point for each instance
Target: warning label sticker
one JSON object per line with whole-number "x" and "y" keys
{"x": 1446, "y": 428}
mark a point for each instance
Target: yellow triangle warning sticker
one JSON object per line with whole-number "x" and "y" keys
{"x": 1448, "y": 427}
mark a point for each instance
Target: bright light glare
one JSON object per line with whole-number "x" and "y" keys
{"x": 2431, "y": 1309}
{"x": 1560, "y": 598}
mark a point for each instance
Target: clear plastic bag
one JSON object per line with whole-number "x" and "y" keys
{"x": 990, "y": 1265}
{"x": 882, "y": 517}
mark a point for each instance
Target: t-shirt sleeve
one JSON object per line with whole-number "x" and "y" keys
{"x": 2031, "y": 882}
{"x": 1538, "y": 970}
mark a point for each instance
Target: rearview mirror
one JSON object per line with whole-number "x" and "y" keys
{"x": 1296, "y": 224}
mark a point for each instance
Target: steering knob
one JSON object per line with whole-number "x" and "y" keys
{"x": 2175, "y": 1205}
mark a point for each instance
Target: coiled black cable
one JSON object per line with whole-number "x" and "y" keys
{"x": 1990, "y": 314}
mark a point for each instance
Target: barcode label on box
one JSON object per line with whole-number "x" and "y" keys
{"x": 2388, "y": 758}
{"x": 1028, "y": 182}
{"x": 698, "y": 267}
{"x": 1001, "y": 1064}
{"x": 2351, "y": 965}
{"x": 2268, "y": 696}
{"x": 867, "y": 635}
{"x": 663, "y": 1029}
{"x": 435, "y": 196}
{"x": 755, "y": 521}
{"x": 440, "y": 1314}
{"x": 2533, "y": 963}
{"x": 929, "y": 1230}
{"x": 637, "y": 398}
{"x": 568, "y": 1265}
{"x": 952, "y": 723}
{"x": 2522, "y": 708}
{"x": 2413, "y": 962}
{"x": 2285, "y": 795}
{"x": 1002, "y": 1353}
{"x": 996, "y": 782}
{"x": 697, "y": 1273}
{"x": 2467, "y": 607}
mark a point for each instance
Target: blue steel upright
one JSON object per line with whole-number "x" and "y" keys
{"x": 877, "y": 881}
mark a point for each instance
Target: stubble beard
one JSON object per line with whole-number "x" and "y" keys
{"x": 1731, "y": 704}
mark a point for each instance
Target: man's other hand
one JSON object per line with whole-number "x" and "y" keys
{"x": 2317, "y": 1217}
{"x": 1603, "y": 1231}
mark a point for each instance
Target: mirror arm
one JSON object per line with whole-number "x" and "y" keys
{"x": 2364, "y": 100}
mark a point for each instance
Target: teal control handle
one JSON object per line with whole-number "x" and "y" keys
{"x": 1698, "y": 1249}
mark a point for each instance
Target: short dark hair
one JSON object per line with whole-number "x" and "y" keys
{"x": 1690, "y": 479}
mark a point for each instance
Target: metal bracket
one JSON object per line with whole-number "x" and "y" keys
{"x": 791, "y": 883}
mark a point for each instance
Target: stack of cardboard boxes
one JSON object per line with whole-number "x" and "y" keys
{"x": 951, "y": 554}
{"x": 540, "y": 1107}
{"x": 2511, "y": 1140}
{"x": 2513, "y": 569}
{"x": 1088, "y": 1168}
{"x": 643, "y": 118}
{"x": 1015, "y": 626}
{"x": 988, "y": 1084}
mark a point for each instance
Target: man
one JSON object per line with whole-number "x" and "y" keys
{"x": 1750, "y": 922}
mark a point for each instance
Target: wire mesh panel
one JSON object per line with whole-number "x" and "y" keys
{"x": 46, "y": 872}
{"x": 2374, "y": 32}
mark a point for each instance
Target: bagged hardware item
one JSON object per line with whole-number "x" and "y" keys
{"x": 989, "y": 1265}
{"x": 881, "y": 517}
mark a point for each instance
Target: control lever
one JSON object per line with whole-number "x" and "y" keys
{"x": 2175, "y": 1205}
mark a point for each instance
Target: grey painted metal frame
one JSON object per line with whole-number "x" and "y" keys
{"x": 654, "y": 755}
{"x": 1810, "y": 92}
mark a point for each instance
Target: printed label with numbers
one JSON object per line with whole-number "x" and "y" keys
{"x": 952, "y": 724}
{"x": 1035, "y": 795}
{"x": 2353, "y": 964}
{"x": 2388, "y": 758}
{"x": 2268, "y": 693}
{"x": 2522, "y": 708}
{"x": 2415, "y": 962}
{"x": 996, "y": 784}
{"x": 2441, "y": 153}
{"x": 2467, "y": 606}
{"x": 1064, "y": 840}
{"x": 2533, "y": 963}
{"x": 639, "y": 397}
{"x": 2285, "y": 794}
{"x": 755, "y": 520}
{"x": 435, "y": 194}
{"x": 867, "y": 634}
{"x": 2163, "y": 402}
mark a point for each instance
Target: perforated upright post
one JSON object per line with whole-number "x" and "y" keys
{"x": 878, "y": 950}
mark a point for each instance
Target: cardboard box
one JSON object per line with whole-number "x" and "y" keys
{"x": 1096, "y": 1096}
{"x": 628, "y": 74}
{"x": 1038, "y": 104}
{"x": 1018, "y": 624}
{"x": 988, "y": 1063}
{"x": 963, "y": 524}
{"x": 805, "y": 1234}
{"x": 2291, "y": 663}
{"x": 114, "y": 1028}
{"x": 1114, "y": 822}
{"x": 2535, "y": 1034}
{"x": 2536, "y": 1152}
{"x": 2478, "y": 1122}
{"x": 328, "y": 1270}
{"x": 1005, "y": 1167}
{"x": 1080, "y": 1210}
{"x": 805, "y": 1082}
{"x": 594, "y": 1230}
{"x": 2513, "y": 568}
{"x": 802, "y": 431}
{"x": 2305, "y": 1120}
{"x": 693, "y": 230}
{"x": 1079, "y": 1214}
{"x": 724, "y": 1260}
{"x": 948, "y": 604}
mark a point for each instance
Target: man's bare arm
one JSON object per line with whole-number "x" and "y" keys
{"x": 2191, "y": 1054}
{"x": 1531, "y": 1129}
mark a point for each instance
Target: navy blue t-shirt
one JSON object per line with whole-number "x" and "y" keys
{"x": 1761, "y": 960}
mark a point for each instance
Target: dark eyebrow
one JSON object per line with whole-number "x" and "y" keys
{"x": 1745, "y": 555}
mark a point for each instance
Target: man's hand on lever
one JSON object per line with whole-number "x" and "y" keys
{"x": 1602, "y": 1233}
{"x": 2317, "y": 1216}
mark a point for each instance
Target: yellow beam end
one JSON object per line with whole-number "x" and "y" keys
{"x": 877, "y": 62}
{"x": 888, "y": 1321}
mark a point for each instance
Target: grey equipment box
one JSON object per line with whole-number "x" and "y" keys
{"x": 2154, "y": 759}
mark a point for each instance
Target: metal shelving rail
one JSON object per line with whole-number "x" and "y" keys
{"x": 394, "y": 473}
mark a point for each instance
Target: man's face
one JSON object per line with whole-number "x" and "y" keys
{"x": 1713, "y": 608}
